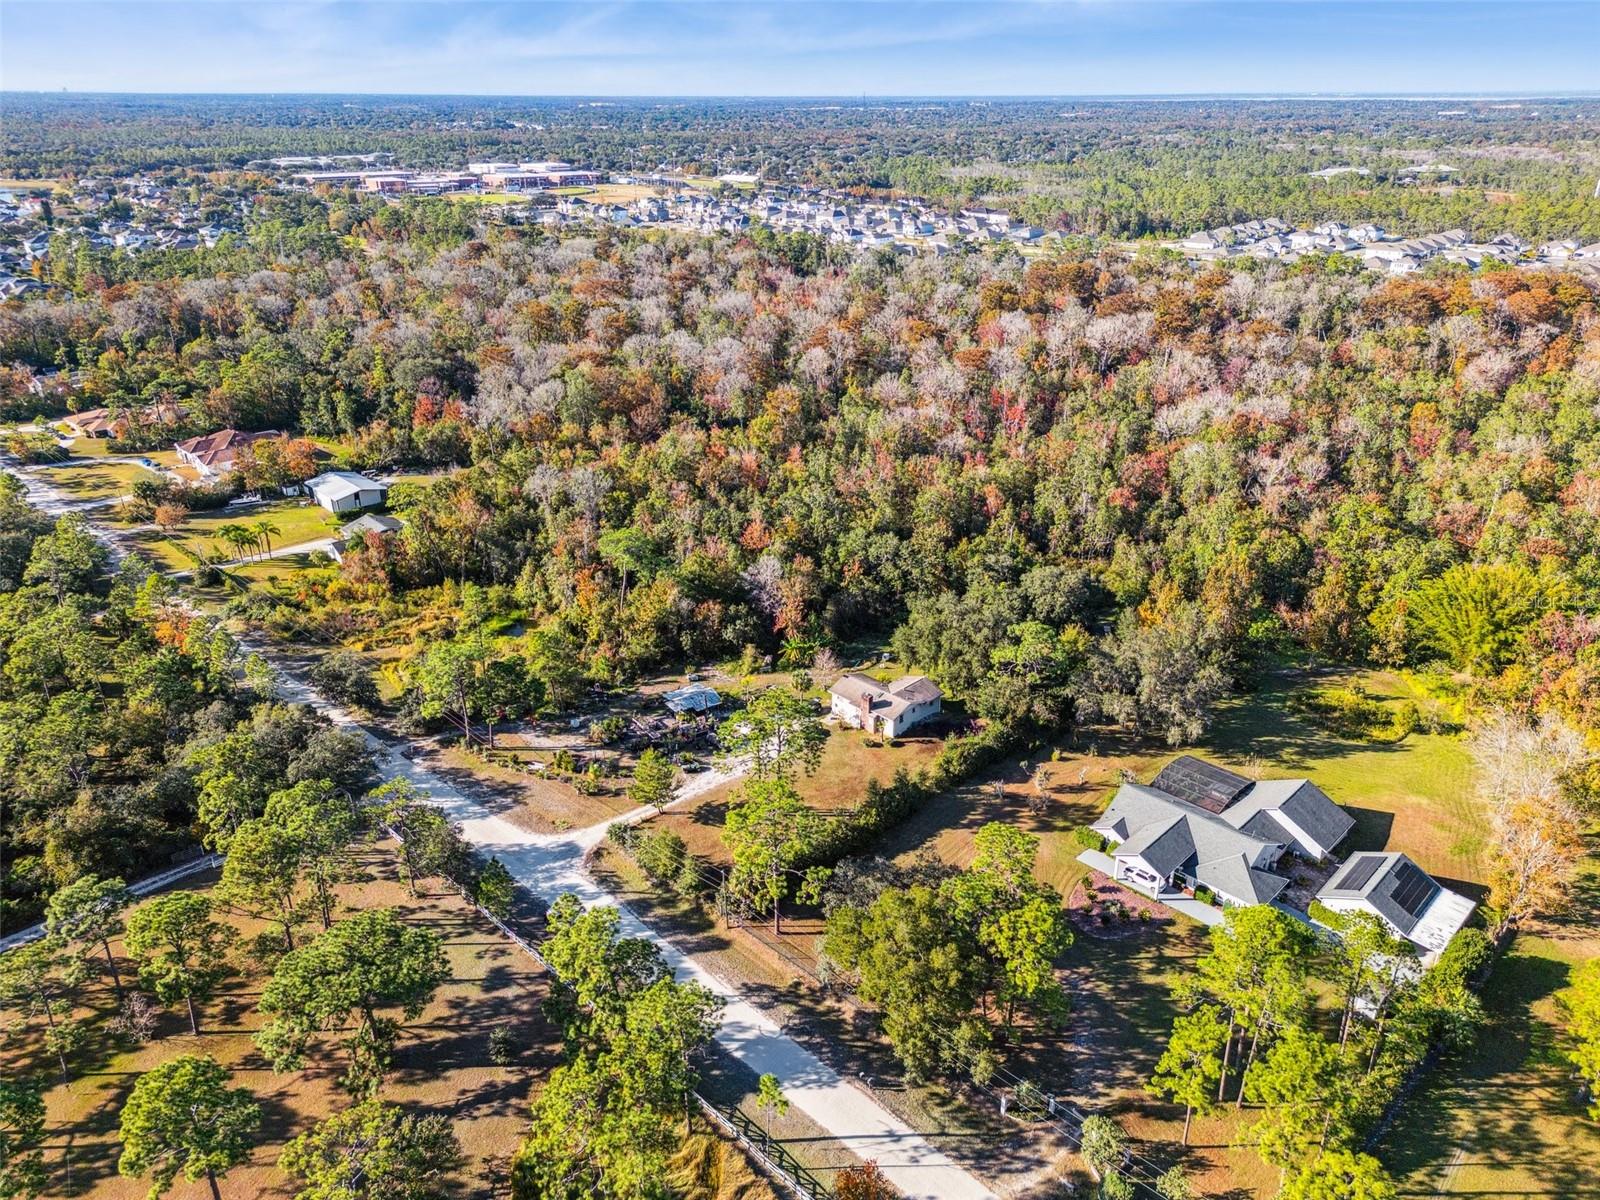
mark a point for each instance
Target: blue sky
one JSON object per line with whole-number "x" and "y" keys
{"x": 719, "y": 47}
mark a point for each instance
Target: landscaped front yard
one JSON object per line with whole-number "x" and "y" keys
{"x": 297, "y": 522}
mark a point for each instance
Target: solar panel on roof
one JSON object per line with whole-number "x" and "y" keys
{"x": 1412, "y": 889}
{"x": 1362, "y": 868}
{"x": 1200, "y": 783}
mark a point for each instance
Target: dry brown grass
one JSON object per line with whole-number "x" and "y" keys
{"x": 529, "y": 801}
{"x": 839, "y": 782}
{"x": 442, "y": 1065}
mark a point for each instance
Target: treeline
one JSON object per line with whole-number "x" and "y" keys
{"x": 1090, "y": 166}
{"x": 1078, "y": 487}
{"x": 131, "y": 727}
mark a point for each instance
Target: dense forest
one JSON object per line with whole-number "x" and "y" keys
{"x": 1074, "y": 488}
{"x": 1094, "y": 166}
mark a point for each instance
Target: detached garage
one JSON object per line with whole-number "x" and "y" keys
{"x": 345, "y": 491}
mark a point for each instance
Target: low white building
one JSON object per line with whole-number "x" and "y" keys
{"x": 1409, "y": 900}
{"x": 345, "y": 491}
{"x": 890, "y": 709}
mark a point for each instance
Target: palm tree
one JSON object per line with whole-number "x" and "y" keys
{"x": 236, "y": 536}
{"x": 265, "y": 530}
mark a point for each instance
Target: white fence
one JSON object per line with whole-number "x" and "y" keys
{"x": 151, "y": 883}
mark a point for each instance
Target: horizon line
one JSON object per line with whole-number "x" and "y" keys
{"x": 839, "y": 97}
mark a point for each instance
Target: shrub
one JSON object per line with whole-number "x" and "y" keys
{"x": 1088, "y": 838}
{"x": 660, "y": 855}
{"x": 346, "y": 677}
{"x": 1355, "y": 713}
{"x": 501, "y": 1049}
{"x": 1204, "y": 894}
{"x": 688, "y": 883}
{"x": 607, "y": 730}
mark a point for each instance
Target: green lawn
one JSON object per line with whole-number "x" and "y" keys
{"x": 164, "y": 551}
{"x": 296, "y": 522}
{"x": 1504, "y": 1119}
{"x": 273, "y": 570}
{"x": 87, "y": 447}
{"x": 93, "y": 481}
{"x": 1415, "y": 795}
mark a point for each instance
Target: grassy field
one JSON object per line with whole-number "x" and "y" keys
{"x": 442, "y": 1061}
{"x": 1415, "y": 795}
{"x": 29, "y": 185}
{"x": 1505, "y": 1119}
{"x": 296, "y": 520}
{"x": 271, "y": 571}
{"x": 488, "y": 197}
{"x": 93, "y": 481}
{"x": 839, "y": 783}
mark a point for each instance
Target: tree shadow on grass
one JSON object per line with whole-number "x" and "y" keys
{"x": 1260, "y": 725}
{"x": 1502, "y": 1106}
{"x": 82, "y": 1155}
{"x": 1372, "y": 830}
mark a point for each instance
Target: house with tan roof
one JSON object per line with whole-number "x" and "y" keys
{"x": 861, "y": 702}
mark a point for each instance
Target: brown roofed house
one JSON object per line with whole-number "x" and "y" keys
{"x": 103, "y": 423}
{"x": 213, "y": 454}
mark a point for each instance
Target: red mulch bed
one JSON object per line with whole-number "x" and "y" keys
{"x": 1104, "y": 909}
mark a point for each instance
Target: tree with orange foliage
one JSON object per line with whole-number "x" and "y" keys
{"x": 865, "y": 1182}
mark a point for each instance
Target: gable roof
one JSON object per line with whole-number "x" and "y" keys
{"x": 223, "y": 446}
{"x": 889, "y": 699}
{"x": 1165, "y": 845}
{"x": 338, "y": 484}
{"x": 370, "y": 523}
{"x": 1170, "y": 835}
{"x": 1302, "y": 802}
{"x": 1234, "y": 876}
{"x": 1395, "y": 887}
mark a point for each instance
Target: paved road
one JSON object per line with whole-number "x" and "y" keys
{"x": 322, "y": 543}
{"x": 550, "y": 864}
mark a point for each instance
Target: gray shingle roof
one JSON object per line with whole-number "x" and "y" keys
{"x": 1171, "y": 835}
{"x": 1165, "y": 845}
{"x": 1300, "y": 800}
{"x": 1235, "y": 877}
{"x": 1391, "y": 883}
{"x": 371, "y": 522}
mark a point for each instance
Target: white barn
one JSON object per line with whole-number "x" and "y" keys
{"x": 345, "y": 491}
